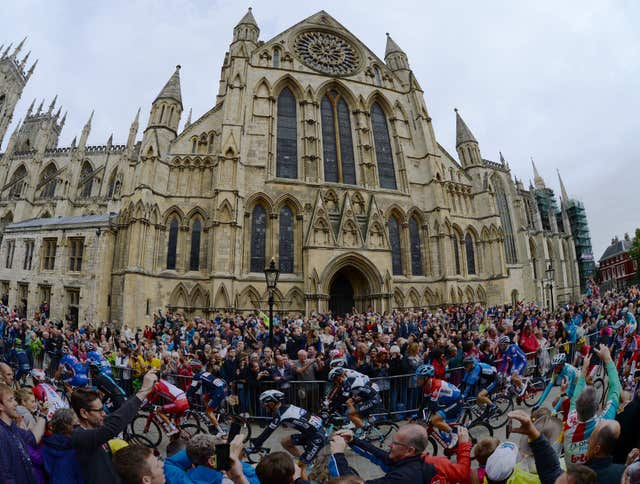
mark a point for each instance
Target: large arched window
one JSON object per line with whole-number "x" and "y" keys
{"x": 534, "y": 259}
{"x": 194, "y": 260}
{"x": 394, "y": 240}
{"x": 505, "y": 219}
{"x": 456, "y": 253}
{"x": 48, "y": 182}
{"x": 337, "y": 144}
{"x": 86, "y": 180}
{"x": 18, "y": 180}
{"x": 384, "y": 156}
{"x": 287, "y": 139}
{"x": 258, "y": 238}
{"x": 114, "y": 183}
{"x": 172, "y": 245}
{"x": 416, "y": 250}
{"x": 471, "y": 257}
{"x": 285, "y": 248}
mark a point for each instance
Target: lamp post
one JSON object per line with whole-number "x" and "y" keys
{"x": 550, "y": 272}
{"x": 271, "y": 274}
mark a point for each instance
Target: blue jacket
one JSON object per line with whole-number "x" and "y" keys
{"x": 60, "y": 460}
{"x": 178, "y": 470}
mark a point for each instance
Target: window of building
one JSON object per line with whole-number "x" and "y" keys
{"x": 337, "y": 144}
{"x": 505, "y": 219}
{"x": 17, "y": 181}
{"x": 384, "y": 155}
{"x": 210, "y": 145}
{"x": 113, "y": 183}
{"x": 73, "y": 303}
{"x": 48, "y": 182}
{"x": 287, "y": 136}
{"x": 86, "y": 180}
{"x": 394, "y": 240}
{"x": 258, "y": 238}
{"x": 23, "y": 297}
{"x": 456, "y": 253}
{"x": 285, "y": 248}
{"x": 471, "y": 257}
{"x": 49, "y": 247}
{"x": 11, "y": 247}
{"x": 196, "y": 231}
{"x": 45, "y": 299}
{"x": 376, "y": 76}
{"x": 276, "y": 57}
{"x": 172, "y": 245}
{"x": 28, "y": 254}
{"x": 76, "y": 248}
{"x": 194, "y": 145}
{"x": 416, "y": 250}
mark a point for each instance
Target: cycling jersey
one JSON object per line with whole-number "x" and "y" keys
{"x": 571, "y": 373}
{"x": 481, "y": 376}
{"x": 107, "y": 385}
{"x": 629, "y": 351}
{"x": 105, "y": 366}
{"x": 21, "y": 358}
{"x": 206, "y": 383}
{"x": 165, "y": 390}
{"x": 444, "y": 398}
{"x": 75, "y": 371}
{"x": 514, "y": 355}
{"x": 310, "y": 436}
{"x": 46, "y": 393}
{"x": 356, "y": 378}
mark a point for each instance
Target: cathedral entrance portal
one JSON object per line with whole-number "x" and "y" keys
{"x": 349, "y": 289}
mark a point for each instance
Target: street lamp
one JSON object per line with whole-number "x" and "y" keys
{"x": 271, "y": 274}
{"x": 550, "y": 272}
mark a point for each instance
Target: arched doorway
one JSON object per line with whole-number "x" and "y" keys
{"x": 348, "y": 289}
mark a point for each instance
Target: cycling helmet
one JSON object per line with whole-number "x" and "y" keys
{"x": 504, "y": 340}
{"x": 338, "y": 362}
{"x": 271, "y": 396}
{"x": 94, "y": 365}
{"x": 195, "y": 365}
{"x": 17, "y": 343}
{"x": 90, "y": 347}
{"x": 38, "y": 375}
{"x": 630, "y": 330}
{"x": 468, "y": 360}
{"x": 425, "y": 370}
{"x": 559, "y": 359}
{"x": 335, "y": 372}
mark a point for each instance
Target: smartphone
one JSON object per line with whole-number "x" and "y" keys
{"x": 223, "y": 461}
{"x": 234, "y": 429}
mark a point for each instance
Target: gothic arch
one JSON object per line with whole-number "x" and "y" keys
{"x": 364, "y": 265}
{"x": 377, "y": 97}
{"x": 453, "y": 295}
{"x": 395, "y": 209}
{"x": 199, "y": 298}
{"x": 358, "y": 203}
{"x": 469, "y": 294}
{"x": 224, "y": 213}
{"x": 398, "y": 298}
{"x": 48, "y": 181}
{"x": 249, "y": 299}
{"x": 331, "y": 201}
{"x": 418, "y": 214}
{"x": 430, "y": 299}
{"x": 292, "y": 83}
{"x": 290, "y": 201}
{"x": 295, "y": 299}
{"x": 414, "y": 298}
{"x": 259, "y": 198}
{"x": 171, "y": 212}
{"x": 340, "y": 88}
{"x": 482, "y": 295}
{"x": 222, "y": 300}
{"x": 197, "y": 212}
{"x": 179, "y": 297}
{"x": 18, "y": 180}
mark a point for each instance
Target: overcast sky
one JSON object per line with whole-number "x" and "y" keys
{"x": 558, "y": 81}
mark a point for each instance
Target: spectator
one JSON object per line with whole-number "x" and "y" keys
{"x": 602, "y": 444}
{"x": 629, "y": 435}
{"x": 96, "y": 430}
{"x": 6, "y": 375}
{"x": 278, "y": 468}
{"x": 136, "y": 464}
{"x": 60, "y": 461}
{"x": 16, "y": 466}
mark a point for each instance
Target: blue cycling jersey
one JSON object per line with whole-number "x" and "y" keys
{"x": 215, "y": 388}
{"x": 515, "y": 356}
{"x": 571, "y": 373}
{"x": 77, "y": 370}
{"x": 20, "y": 356}
{"x": 481, "y": 373}
{"x": 105, "y": 366}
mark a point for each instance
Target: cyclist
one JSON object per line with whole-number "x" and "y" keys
{"x": 561, "y": 371}
{"x": 444, "y": 401}
{"x": 211, "y": 391}
{"x": 512, "y": 354}
{"x": 357, "y": 394}
{"x": 107, "y": 385}
{"x": 19, "y": 356}
{"x": 177, "y": 406}
{"x": 479, "y": 379}
{"x": 310, "y": 436}
{"x": 72, "y": 370}
{"x": 630, "y": 347}
{"x": 97, "y": 356}
{"x": 46, "y": 393}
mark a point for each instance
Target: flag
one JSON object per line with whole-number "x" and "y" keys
{"x": 265, "y": 318}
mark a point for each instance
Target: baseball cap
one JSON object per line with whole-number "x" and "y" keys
{"x": 501, "y": 463}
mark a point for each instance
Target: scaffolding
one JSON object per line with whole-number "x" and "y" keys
{"x": 582, "y": 240}
{"x": 547, "y": 206}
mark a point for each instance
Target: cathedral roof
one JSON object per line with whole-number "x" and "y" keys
{"x": 248, "y": 19}
{"x": 89, "y": 220}
{"x": 463, "y": 133}
{"x": 171, "y": 89}
{"x": 392, "y": 47}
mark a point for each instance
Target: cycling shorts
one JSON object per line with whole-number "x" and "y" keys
{"x": 177, "y": 407}
{"x": 367, "y": 407}
{"x": 452, "y": 412}
{"x": 518, "y": 367}
{"x": 216, "y": 398}
{"x": 311, "y": 443}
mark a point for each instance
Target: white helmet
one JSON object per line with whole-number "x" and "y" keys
{"x": 338, "y": 362}
{"x": 271, "y": 396}
{"x": 38, "y": 375}
{"x": 559, "y": 359}
{"x": 337, "y": 371}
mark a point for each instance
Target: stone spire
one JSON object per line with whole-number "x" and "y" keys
{"x": 171, "y": 89}
{"x": 392, "y": 47}
{"x": 40, "y": 107}
{"x": 6, "y": 51}
{"x": 188, "y": 122}
{"x": 33, "y": 68}
{"x": 52, "y": 105}
{"x": 30, "y": 110}
{"x": 247, "y": 29}
{"x": 64, "y": 120}
{"x": 248, "y": 19}
{"x": 85, "y": 133}
{"x": 110, "y": 142}
{"x": 23, "y": 63}
{"x": 563, "y": 190}
{"x": 502, "y": 158}
{"x": 19, "y": 48}
{"x": 537, "y": 179}
{"x": 133, "y": 131}
{"x": 463, "y": 133}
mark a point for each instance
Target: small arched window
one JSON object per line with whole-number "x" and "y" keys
{"x": 112, "y": 183}
{"x": 258, "y": 238}
{"x": 194, "y": 145}
{"x": 276, "y": 57}
{"x": 285, "y": 248}
{"x": 376, "y": 75}
{"x": 18, "y": 180}
{"x": 287, "y": 138}
{"x": 48, "y": 181}
{"x": 456, "y": 253}
{"x": 210, "y": 145}
{"x": 194, "y": 260}
{"x": 416, "y": 249}
{"x": 384, "y": 155}
{"x": 172, "y": 245}
{"x": 86, "y": 180}
{"x": 394, "y": 240}
{"x": 161, "y": 114}
{"x": 471, "y": 257}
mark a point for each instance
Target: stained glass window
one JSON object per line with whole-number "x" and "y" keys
{"x": 394, "y": 240}
{"x": 196, "y": 231}
{"x": 18, "y": 180}
{"x": 258, "y": 238}
{"x": 49, "y": 180}
{"x": 456, "y": 253}
{"x": 471, "y": 258}
{"x": 339, "y": 161}
{"x": 285, "y": 252}
{"x": 86, "y": 180}
{"x": 287, "y": 140}
{"x": 172, "y": 246}
{"x": 346, "y": 144}
{"x": 329, "y": 144}
{"x": 416, "y": 252}
{"x": 386, "y": 171}
{"x": 505, "y": 219}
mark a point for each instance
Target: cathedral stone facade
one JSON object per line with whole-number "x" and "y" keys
{"x": 317, "y": 154}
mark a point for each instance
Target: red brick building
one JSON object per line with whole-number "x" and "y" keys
{"x": 617, "y": 269}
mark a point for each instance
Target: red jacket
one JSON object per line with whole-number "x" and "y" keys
{"x": 448, "y": 472}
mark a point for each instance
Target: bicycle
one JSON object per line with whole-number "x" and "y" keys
{"x": 533, "y": 387}
{"x": 149, "y": 425}
{"x": 496, "y": 417}
{"x": 376, "y": 430}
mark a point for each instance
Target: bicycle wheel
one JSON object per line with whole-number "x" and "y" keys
{"x": 479, "y": 431}
{"x": 432, "y": 447}
{"x": 137, "y": 439}
{"x": 532, "y": 395}
{"x": 150, "y": 431}
{"x": 226, "y": 420}
{"x": 378, "y": 433}
{"x": 188, "y": 430}
{"x": 499, "y": 416}
{"x": 598, "y": 384}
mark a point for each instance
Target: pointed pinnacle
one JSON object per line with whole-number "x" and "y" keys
{"x": 563, "y": 190}
{"x": 501, "y": 158}
{"x": 33, "y": 68}
{"x": 33, "y": 103}
{"x": 64, "y": 119}
{"x": 6, "y": 51}
{"x": 74, "y": 141}
{"x": 58, "y": 112}
{"x": 19, "y": 47}
{"x": 53, "y": 104}
{"x": 40, "y": 107}
{"x": 24, "y": 61}
{"x": 134, "y": 124}
{"x": 188, "y": 122}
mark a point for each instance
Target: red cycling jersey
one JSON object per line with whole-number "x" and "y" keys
{"x": 165, "y": 390}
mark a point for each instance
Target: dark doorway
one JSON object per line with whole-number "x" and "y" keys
{"x": 341, "y": 295}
